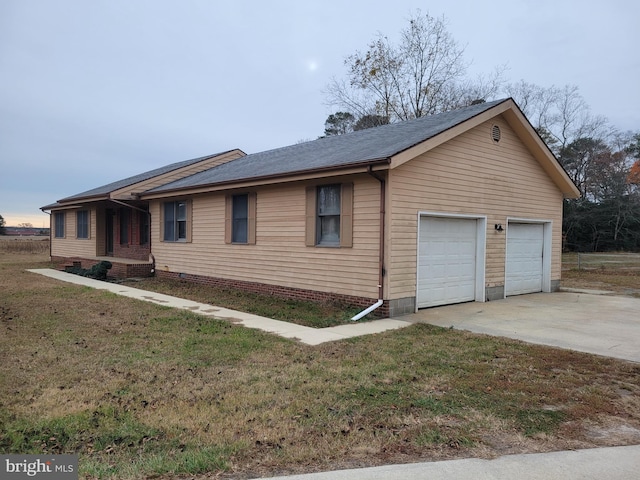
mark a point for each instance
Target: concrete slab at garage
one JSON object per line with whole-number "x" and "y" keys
{"x": 599, "y": 324}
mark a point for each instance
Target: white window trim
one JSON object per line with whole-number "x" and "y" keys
{"x": 176, "y": 229}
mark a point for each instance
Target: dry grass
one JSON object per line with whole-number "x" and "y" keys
{"x": 143, "y": 391}
{"x": 618, "y": 273}
{"x": 30, "y": 245}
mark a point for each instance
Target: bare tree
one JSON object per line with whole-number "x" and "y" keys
{"x": 561, "y": 115}
{"x": 536, "y": 102}
{"x": 421, "y": 75}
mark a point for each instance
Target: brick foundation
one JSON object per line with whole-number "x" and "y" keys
{"x": 279, "y": 291}
{"x": 134, "y": 252}
{"x": 118, "y": 269}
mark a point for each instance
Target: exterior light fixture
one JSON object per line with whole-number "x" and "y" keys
{"x": 499, "y": 227}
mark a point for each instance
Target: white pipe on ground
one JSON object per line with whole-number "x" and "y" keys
{"x": 367, "y": 311}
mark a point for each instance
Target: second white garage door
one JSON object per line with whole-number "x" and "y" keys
{"x": 525, "y": 242}
{"x": 446, "y": 261}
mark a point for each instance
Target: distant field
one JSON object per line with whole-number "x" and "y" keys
{"x": 24, "y": 237}
{"x": 12, "y": 244}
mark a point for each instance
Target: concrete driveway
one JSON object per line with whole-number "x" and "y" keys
{"x": 601, "y": 324}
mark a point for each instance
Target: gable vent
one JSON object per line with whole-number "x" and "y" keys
{"x": 495, "y": 133}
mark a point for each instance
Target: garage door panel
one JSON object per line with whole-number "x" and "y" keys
{"x": 524, "y": 269}
{"x": 446, "y": 261}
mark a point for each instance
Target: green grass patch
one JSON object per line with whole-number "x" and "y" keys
{"x": 99, "y": 430}
{"x": 112, "y": 444}
{"x": 534, "y": 421}
{"x": 430, "y": 436}
{"x": 434, "y": 405}
{"x": 177, "y": 460}
{"x": 311, "y": 314}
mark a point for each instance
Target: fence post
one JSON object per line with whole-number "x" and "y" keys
{"x": 578, "y": 260}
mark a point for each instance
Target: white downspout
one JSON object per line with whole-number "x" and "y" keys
{"x": 367, "y": 311}
{"x": 381, "y": 252}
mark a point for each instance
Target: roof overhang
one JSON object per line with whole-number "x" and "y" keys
{"x": 57, "y": 206}
{"x": 307, "y": 175}
{"x": 89, "y": 199}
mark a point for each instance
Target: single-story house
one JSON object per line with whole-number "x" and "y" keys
{"x": 461, "y": 206}
{"x": 112, "y": 223}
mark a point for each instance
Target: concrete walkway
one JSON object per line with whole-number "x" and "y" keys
{"x": 613, "y": 463}
{"x": 307, "y": 335}
{"x": 586, "y": 322}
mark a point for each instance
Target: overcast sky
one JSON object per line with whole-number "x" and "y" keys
{"x": 96, "y": 91}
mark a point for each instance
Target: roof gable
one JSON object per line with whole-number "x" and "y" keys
{"x": 144, "y": 181}
{"x": 510, "y": 111}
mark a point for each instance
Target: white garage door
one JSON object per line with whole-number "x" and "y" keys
{"x": 524, "y": 258}
{"x": 446, "y": 261}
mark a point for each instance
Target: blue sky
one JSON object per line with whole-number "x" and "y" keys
{"x": 94, "y": 91}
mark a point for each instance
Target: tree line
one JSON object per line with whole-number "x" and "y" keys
{"x": 425, "y": 73}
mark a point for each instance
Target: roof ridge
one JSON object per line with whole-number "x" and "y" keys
{"x": 335, "y": 151}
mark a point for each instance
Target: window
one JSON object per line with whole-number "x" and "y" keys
{"x": 240, "y": 218}
{"x": 329, "y": 215}
{"x": 82, "y": 224}
{"x": 59, "y": 224}
{"x": 175, "y": 222}
{"x": 125, "y": 220}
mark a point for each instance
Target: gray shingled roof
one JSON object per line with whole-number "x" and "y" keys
{"x": 126, "y": 182}
{"x": 362, "y": 147}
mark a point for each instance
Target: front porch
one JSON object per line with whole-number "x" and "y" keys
{"x": 121, "y": 267}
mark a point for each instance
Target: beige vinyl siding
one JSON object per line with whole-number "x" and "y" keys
{"x": 280, "y": 256}
{"x": 70, "y": 246}
{"x": 470, "y": 174}
{"x": 205, "y": 164}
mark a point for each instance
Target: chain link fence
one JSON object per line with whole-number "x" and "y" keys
{"x": 603, "y": 261}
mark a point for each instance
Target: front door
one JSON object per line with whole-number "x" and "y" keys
{"x": 109, "y": 232}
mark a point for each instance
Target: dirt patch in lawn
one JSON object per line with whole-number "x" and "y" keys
{"x": 145, "y": 391}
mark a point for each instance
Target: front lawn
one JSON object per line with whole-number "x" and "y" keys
{"x": 144, "y": 391}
